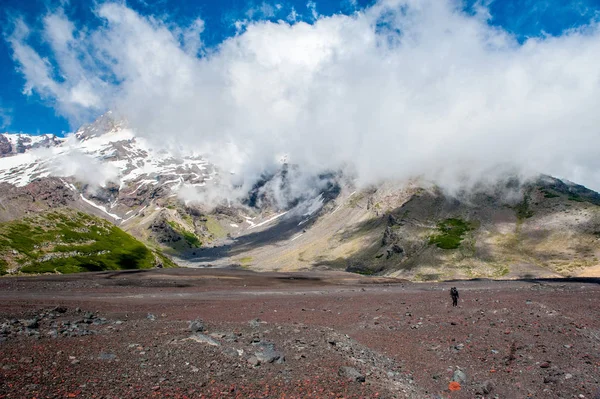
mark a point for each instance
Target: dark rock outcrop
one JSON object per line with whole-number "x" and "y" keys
{"x": 5, "y": 146}
{"x": 163, "y": 232}
{"x": 389, "y": 237}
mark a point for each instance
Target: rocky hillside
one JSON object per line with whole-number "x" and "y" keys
{"x": 544, "y": 227}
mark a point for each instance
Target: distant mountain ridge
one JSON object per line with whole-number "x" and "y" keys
{"x": 543, "y": 227}
{"x": 11, "y": 144}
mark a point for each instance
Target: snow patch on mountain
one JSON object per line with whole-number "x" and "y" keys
{"x": 102, "y": 208}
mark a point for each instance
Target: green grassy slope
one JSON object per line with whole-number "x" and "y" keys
{"x": 66, "y": 241}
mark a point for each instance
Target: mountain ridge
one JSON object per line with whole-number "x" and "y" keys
{"x": 393, "y": 228}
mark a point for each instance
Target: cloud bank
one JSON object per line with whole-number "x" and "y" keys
{"x": 404, "y": 88}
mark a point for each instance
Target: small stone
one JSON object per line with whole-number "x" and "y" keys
{"x": 151, "y": 317}
{"x": 107, "y": 356}
{"x": 253, "y": 361}
{"x": 549, "y": 379}
{"x": 33, "y": 323}
{"x": 568, "y": 376}
{"x": 255, "y": 323}
{"x": 459, "y": 376}
{"x": 545, "y": 365}
{"x": 487, "y": 387}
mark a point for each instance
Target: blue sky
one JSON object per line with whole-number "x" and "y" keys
{"x": 33, "y": 114}
{"x": 30, "y": 114}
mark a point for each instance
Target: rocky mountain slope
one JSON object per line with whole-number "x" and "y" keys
{"x": 541, "y": 227}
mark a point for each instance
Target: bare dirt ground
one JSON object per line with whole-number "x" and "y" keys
{"x": 309, "y": 335}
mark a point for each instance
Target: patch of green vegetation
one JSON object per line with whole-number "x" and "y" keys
{"x": 69, "y": 242}
{"x": 355, "y": 199}
{"x": 364, "y": 269}
{"x": 192, "y": 239}
{"x": 214, "y": 227}
{"x": 574, "y": 192}
{"x": 364, "y": 272}
{"x": 576, "y": 198}
{"x": 451, "y": 233}
{"x": 500, "y": 271}
{"x": 246, "y": 260}
{"x": 522, "y": 209}
{"x": 549, "y": 194}
{"x": 3, "y": 267}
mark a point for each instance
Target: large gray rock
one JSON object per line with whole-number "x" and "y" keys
{"x": 197, "y": 326}
{"x": 268, "y": 354}
{"x": 351, "y": 374}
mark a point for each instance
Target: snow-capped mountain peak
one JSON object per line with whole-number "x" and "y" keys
{"x": 104, "y": 153}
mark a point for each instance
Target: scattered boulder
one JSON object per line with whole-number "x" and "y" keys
{"x": 253, "y": 361}
{"x": 197, "y": 326}
{"x": 255, "y": 323}
{"x": 486, "y": 388}
{"x": 268, "y": 354}
{"x": 351, "y": 374}
{"x": 33, "y": 323}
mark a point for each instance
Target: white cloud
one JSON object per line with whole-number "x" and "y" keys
{"x": 404, "y": 88}
{"x": 83, "y": 167}
{"x": 5, "y": 117}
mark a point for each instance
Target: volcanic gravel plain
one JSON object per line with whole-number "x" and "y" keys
{"x": 218, "y": 333}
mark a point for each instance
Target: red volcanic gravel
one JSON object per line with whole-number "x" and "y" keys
{"x": 309, "y": 335}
